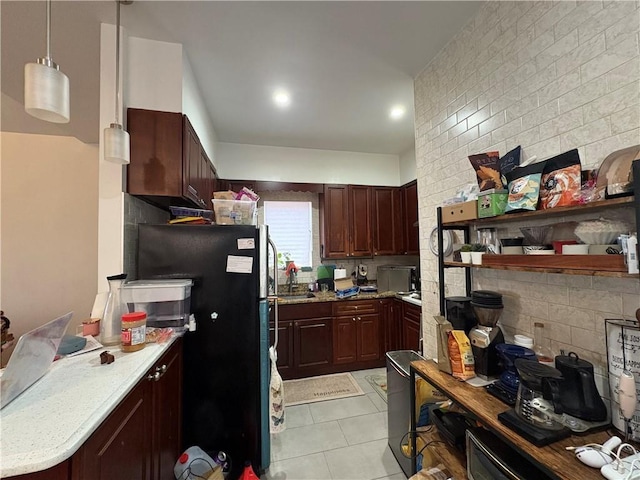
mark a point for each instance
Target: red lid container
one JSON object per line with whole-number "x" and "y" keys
{"x": 134, "y": 316}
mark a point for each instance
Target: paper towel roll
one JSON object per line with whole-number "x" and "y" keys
{"x": 339, "y": 273}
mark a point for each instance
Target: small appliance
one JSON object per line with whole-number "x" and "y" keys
{"x": 397, "y": 278}
{"x": 628, "y": 399}
{"x": 506, "y": 387}
{"x": 487, "y": 307}
{"x": 579, "y": 396}
{"x": 459, "y": 313}
{"x": 361, "y": 275}
{"x": 539, "y": 394}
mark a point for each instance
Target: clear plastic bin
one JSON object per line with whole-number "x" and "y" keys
{"x": 235, "y": 212}
{"x": 167, "y": 303}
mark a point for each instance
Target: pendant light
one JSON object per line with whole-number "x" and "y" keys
{"x": 46, "y": 88}
{"x": 116, "y": 138}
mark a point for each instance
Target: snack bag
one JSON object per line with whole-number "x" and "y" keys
{"x": 487, "y": 167}
{"x": 561, "y": 183}
{"x": 443, "y": 327}
{"x": 524, "y": 187}
{"x": 461, "y": 356}
{"x": 508, "y": 162}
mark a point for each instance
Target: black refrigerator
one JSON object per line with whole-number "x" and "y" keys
{"x": 226, "y": 359}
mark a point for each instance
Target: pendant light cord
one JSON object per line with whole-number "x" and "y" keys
{"x": 48, "y": 29}
{"x": 117, "y": 60}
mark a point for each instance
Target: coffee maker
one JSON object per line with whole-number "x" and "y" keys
{"x": 579, "y": 396}
{"x": 487, "y": 307}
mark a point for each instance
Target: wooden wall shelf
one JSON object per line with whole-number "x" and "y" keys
{"x": 587, "y": 270}
{"x": 548, "y": 213}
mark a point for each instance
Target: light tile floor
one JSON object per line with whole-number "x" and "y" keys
{"x": 336, "y": 440}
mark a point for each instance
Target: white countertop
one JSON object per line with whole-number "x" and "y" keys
{"x": 49, "y": 422}
{"x": 411, "y": 299}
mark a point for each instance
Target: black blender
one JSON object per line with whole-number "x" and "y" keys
{"x": 487, "y": 307}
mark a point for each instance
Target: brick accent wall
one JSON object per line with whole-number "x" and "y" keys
{"x": 550, "y": 76}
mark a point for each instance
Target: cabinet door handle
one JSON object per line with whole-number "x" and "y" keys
{"x": 154, "y": 376}
{"x": 162, "y": 369}
{"x": 295, "y": 323}
{"x": 192, "y": 191}
{"x": 359, "y": 318}
{"x": 353, "y": 319}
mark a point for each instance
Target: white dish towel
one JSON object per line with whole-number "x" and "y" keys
{"x": 276, "y": 396}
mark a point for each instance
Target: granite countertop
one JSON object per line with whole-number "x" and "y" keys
{"x": 331, "y": 297}
{"x": 49, "y": 422}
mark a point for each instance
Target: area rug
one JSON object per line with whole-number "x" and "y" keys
{"x": 379, "y": 384}
{"x": 318, "y": 389}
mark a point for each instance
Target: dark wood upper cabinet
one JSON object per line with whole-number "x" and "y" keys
{"x": 336, "y": 222}
{"x": 360, "y": 221}
{"x": 168, "y": 164}
{"x": 346, "y": 229}
{"x": 191, "y": 163}
{"x": 411, "y": 232}
{"x": 388, "y": 221}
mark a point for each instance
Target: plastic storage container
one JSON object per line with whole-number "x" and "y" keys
{"x": 167, "y": 303}
{"x": 194, "y": 464}
{"x": 235, "y": 212}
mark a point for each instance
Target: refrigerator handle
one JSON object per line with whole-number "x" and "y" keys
{"x": 275, "y": 293}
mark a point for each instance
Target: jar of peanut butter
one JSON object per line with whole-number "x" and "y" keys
{"x": 134, "y": 329}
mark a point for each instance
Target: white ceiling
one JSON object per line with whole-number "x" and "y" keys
{"x": 345, "y": 64}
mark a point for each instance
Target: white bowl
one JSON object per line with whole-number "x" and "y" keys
{"x": 578, "y": 249}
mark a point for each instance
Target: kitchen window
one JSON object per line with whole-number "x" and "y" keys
{"x": 291, "y": 229}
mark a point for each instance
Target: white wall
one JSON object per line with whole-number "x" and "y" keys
{"x": 255, "y": 162}
{"x": 49, "y": 229}
{"x": 153, "y": 75}
{"x": 408, "y": 166}
{"x": 194, "y": 107}
{"x": 550, "y": 76}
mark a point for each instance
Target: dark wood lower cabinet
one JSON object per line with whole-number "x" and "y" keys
{"x": 166, "y": 437}
{"x": 140, "y": 439}
{"x": 312, "y": 344}
{"x": 391, "y": 320}
{"x": 121, "y": 446}
{"x": 329, "y": 337}
{"x": 411, "y": 327}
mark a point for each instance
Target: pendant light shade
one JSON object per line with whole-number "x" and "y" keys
{"x": 116, "y": 144}
{"x": 116, "y": 138}
{"x": 46, "y": 88}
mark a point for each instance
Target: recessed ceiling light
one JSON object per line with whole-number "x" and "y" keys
{"x": 397, "y": 112}
{"x": 281, "y": 98}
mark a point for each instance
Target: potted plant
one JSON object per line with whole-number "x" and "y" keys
{"x": 477, "y": 250}
{"x": 465, "y": 253}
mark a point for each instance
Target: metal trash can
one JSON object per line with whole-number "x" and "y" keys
{"x": 399, "y": 403}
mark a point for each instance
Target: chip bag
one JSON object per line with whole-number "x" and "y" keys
{"x": 487, "y": 167}
{"x": 524, "y": 187}
{"x": 461, "y": 355}
{"x": 561, "y": 183}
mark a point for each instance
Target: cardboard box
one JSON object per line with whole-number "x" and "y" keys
{"x": 345, "y": 288}
{"x": 492, "y": 203}
{"x": 460, "y": 212}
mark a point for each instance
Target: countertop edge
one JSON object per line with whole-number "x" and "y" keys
{"x": 330, "y": 297}
{"x": 44, "y": 458}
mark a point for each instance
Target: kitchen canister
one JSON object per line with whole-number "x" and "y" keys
{"x": 623, "y": 352}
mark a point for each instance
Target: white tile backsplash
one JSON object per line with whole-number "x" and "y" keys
{"x": 550, "y": 76}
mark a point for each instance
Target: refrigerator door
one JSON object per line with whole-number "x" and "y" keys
{"x": 224, "y": 391}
